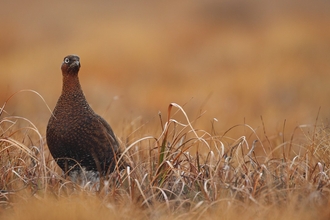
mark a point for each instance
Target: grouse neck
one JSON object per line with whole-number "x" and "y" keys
{"x": 71, "y": 84}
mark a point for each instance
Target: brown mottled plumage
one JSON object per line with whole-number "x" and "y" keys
{"x": 76, "y": 136}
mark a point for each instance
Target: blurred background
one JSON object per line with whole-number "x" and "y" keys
{"x": 230, "y": 60}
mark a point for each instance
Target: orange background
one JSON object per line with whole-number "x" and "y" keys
{"x": 235, "y": 60}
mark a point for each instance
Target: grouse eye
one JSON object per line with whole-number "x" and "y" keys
{"x": 66, "y": 60}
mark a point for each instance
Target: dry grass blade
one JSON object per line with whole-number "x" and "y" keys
{"x": 185, "y": 172}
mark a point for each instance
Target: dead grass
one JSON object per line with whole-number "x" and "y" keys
{"x": 180, "y": 173}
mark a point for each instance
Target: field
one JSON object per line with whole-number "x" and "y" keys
{"x": 221, "y": 108}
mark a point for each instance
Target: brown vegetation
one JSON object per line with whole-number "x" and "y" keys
{"x": 181, "y": 173}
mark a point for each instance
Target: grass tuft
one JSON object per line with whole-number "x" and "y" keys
{"x": 181, "y": 173}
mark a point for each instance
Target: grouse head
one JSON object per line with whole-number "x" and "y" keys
{"x": 71, "y": 64}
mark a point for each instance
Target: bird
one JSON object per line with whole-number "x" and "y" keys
{"x": 79, "y": 139}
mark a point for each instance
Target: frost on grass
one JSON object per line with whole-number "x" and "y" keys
{"x": 181, "y": 170}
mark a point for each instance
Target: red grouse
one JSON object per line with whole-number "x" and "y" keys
{"x": 77, "y": 138}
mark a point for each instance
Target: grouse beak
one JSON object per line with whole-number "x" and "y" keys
{"x": 74, "y": 66}
{"x": 75, "y": 63}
